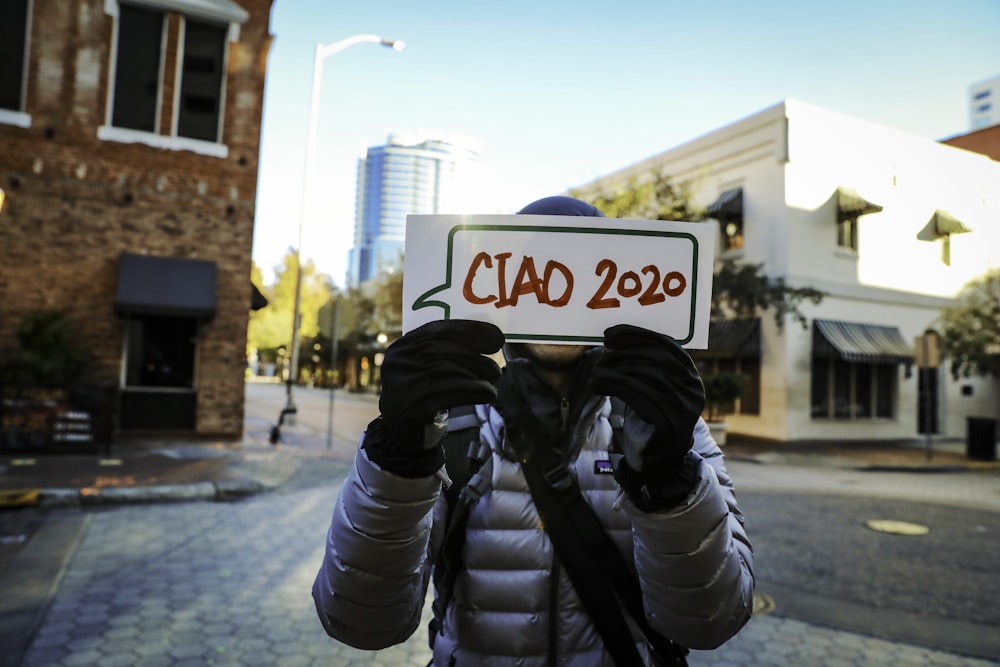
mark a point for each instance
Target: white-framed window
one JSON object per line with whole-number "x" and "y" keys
{"x": 138, "y": 69}
{"x": 850, "y": 207}
{"x": 728, "y": 210}
{"x": 855, "y": 369}
{"x": 15, "y": 24}
{"x": 202, "y": 84}
{"x": 847, "y": 233}
{"x": 142, "y": 73}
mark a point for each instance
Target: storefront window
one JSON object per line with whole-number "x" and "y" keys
{"x": 161, "y": 352}
{"x": 845, "y": 390}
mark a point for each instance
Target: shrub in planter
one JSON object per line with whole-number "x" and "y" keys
{"x": 49, "y": 354}
{"x": 721, "y": 391}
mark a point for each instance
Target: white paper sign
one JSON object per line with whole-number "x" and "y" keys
{"x": 560, "y": 279}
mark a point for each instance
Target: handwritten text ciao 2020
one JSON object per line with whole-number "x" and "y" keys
{"x": 649, "y": 285}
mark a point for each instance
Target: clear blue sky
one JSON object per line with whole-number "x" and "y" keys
{"x": 562, "y": 91}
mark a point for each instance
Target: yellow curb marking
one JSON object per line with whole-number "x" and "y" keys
{"x": 762, "y": 604}
{"x": 19, "y": 497}
{"x": 897, "y": 527}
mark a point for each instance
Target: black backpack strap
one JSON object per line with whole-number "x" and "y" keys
{"x": 617, "y": 421}
{"x": 599, "y": 573}
{"x": 469, "y": 465}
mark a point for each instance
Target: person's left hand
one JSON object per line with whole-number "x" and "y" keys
{"x": 657, "y": 380}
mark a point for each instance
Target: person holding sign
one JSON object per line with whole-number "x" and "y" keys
{"x": 571, "y": 508}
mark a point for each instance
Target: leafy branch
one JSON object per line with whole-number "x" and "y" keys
{"x": 739, "y": 289}
{"x": 970, "y": 332}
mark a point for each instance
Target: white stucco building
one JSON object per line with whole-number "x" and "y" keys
{"x": 888, "y": 225}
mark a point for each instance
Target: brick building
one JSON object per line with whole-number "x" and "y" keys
{"x": 985, "y": 141}
{"x": 130, "y": 133}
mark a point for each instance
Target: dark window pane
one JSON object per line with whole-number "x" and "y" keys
{"x": 841, "y": 390}
{"x": 201, "y": 81}
{"x": 820, "y": 399}
{"x": 13, "y": 37}
{"x": 750, "y": 400}
{"x": 885, "y": 390}
{"x": 863, "y": 378}
{"x": 137, "y": 69}
{"x": 161, "y": 352}
{"x": 728, "y": 365}
{"x": 847, "y": 233}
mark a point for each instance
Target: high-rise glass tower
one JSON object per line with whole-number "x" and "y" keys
{"x": 419, "y": 173}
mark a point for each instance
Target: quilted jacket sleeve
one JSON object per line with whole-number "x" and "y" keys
{"x": 695, "y": 561}
{"x": 370, "y": 589}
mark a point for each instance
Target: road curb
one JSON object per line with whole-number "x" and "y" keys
{"x": 919, "y": 469}
{"x": 223, "y": 490}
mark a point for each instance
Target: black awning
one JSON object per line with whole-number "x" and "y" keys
{"x": 729, "y": 205}
{"x": 865, "y": 343}
{"x": 257, "y": 298}
{"x": 940, "y": 225}
{"x": 728, "y": 339}
{"x": 851, "y": 205}
{"x": 149, "y": 285}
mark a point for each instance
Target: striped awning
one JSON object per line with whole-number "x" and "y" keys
{"x": 729, "y": 205}
{"x": 851, "y": 205}
{"x": 728, "y": 339}
{"x": 864, "y": 343}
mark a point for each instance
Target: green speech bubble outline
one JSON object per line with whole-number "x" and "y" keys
{"x": 423, "y": 301}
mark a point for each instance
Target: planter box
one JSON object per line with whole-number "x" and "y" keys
{"x": 718, "y": 431}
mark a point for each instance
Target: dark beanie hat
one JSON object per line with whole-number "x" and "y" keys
{"x": 560, "y": 205}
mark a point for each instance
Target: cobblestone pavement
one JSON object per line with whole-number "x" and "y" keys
{"x": 208, "y": 583}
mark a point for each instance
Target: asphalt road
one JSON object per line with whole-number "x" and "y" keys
{"x": 821, "y": 563}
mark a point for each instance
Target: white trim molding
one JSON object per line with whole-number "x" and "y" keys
{"x": 126, "y": 136}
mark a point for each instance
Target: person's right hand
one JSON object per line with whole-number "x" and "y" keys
{"x": 437, "y": 366}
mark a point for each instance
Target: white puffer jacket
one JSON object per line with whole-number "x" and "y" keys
{"x": 694, "y": 561}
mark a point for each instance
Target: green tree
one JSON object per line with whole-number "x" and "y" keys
{"x": 388, "y": 303}
{"x": 739, "y": 289}
{"x": 271, "y": 327}
{"x": 655, "y": 199}
{"x": 970, "y": 329}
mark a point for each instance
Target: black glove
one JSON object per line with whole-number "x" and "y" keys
{"x": 436, "y": 366}
{"x": 659, "y": 383}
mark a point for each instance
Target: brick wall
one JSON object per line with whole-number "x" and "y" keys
{"x": 985, "y": 141}
{"x": 75, "y": 203}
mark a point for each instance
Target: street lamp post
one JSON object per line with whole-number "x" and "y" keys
{"x": 323, "y": 51}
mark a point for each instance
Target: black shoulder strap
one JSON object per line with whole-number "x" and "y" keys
{"x": 597, "y": 569}
{"x": 463, "y": 431}
{"x": 617, "y": 420}
{"x": 464, "y": 456}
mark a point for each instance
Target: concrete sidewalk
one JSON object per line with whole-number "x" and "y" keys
{"x": 162, "y": 472}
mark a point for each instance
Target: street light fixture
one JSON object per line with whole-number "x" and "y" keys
{"x": 323, "y": 51}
